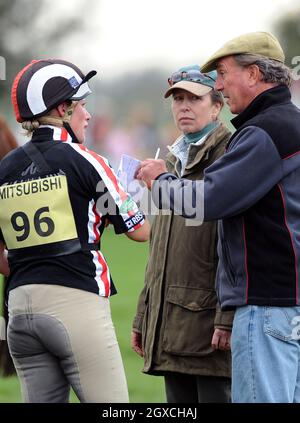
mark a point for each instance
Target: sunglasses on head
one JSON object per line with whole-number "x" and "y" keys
{"x": 192, "y": 75}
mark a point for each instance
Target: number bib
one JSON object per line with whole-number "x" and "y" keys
{"x": 36, "y": 212}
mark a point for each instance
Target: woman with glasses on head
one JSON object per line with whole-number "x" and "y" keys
{"x": 179, "y": 329}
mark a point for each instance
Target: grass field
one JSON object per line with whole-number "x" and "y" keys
{"x": 127, "y": 260}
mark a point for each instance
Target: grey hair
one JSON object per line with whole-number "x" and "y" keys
{"x": 271, "y": 70}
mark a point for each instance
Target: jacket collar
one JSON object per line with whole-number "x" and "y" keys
{"x": 51, "y": 133}
{"x": 198, "y": 153}
{"x": 276, "y": 95}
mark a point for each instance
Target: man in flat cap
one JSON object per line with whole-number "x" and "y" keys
{"x": 254, "y": 189}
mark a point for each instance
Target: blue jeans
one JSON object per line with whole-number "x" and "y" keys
{"x": 266, "y": 354}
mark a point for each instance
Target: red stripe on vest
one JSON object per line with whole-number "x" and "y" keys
{"x": 64, "y": 135}
{"x": 108, "y": 172}
{"x": 96, "y": 223}
{"x": 104, "y": 275}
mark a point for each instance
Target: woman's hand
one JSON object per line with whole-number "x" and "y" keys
{"x": 136, "y": 343}
{"x": 4, "y": 266}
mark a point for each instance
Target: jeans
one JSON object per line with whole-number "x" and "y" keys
{"x": 265, "y": 355}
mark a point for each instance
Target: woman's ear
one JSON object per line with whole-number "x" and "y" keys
{"x": 217, "y": 107}
{"x": 61, "y": 109}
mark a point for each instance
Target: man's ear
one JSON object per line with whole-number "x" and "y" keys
{"x": 254, "y": 75}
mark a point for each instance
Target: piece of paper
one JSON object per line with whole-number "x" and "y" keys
{"x": 128, "y": 167}
{"x": 126, "y": 174}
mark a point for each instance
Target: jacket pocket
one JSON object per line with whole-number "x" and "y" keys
{"x": 278, "y": 322}
{"x": 189, "y": 321}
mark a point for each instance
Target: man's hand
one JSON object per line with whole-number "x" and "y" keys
{"x": 221, "y": 339}
{"x": 149, "y": 170}
{"x": 136, "y": 343}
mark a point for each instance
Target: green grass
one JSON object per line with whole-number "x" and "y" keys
{"x": 127, "y": 261}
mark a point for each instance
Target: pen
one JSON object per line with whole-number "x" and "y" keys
{"x": 157, "y": 154}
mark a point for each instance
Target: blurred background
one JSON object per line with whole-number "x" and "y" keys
{"x": 134, "y": 46}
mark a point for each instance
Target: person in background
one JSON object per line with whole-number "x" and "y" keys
{"x": 179, "y": 329}
{"x": 56, "y": 199}
{"x": 255, "y": 189}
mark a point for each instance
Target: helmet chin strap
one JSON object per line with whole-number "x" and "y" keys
{"x": 71, "y": 132}
{"x": 63, "y": 121}
{"x": 66, "y": 121}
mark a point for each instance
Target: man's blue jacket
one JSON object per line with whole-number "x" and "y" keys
{"x": 255, "y": 190}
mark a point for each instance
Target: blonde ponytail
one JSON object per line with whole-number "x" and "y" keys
{"x": 49, "y": 119}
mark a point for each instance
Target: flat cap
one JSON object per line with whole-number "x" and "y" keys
{"x": 261, "y": 43}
